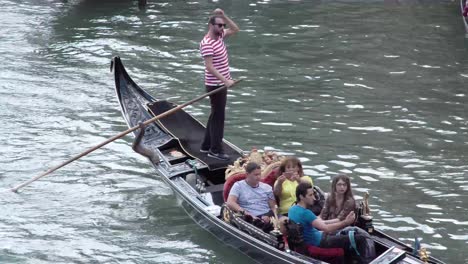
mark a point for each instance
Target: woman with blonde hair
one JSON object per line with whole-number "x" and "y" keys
{"x": 290, "y": 175}
{"x": 340, "y": 201}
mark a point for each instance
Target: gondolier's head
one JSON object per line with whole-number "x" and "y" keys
{"x": 254, "y": 173}
{"x": 216, "y": 24}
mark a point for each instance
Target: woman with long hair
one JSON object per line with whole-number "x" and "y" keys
{"x": 290, "y": 175}
{"x": 340, "y": 201}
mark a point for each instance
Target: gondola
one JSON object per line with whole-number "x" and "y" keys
{"x": 465, "y": 19}
{"x": 198, "y": 180}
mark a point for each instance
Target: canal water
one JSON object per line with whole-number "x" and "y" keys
{"x": 374, "y": 89}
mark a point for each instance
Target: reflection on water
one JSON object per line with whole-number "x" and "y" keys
{"x": 374, "y": 89}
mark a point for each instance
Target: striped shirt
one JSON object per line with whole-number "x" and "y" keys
{"x": 217, "y": 49}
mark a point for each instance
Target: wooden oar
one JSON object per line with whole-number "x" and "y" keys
{"x": 121, "y": 134}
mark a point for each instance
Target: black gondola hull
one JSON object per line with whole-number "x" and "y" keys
{"x": 196, "y": 200}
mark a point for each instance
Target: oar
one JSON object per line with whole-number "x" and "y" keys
{"x": 121, "y": 134}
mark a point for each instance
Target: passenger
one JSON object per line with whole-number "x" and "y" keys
{"x": 340, "y": 202}
{"x": 251, "y": 197}
{"x": 291, "y": 174}
{"x": 317, "y": 232}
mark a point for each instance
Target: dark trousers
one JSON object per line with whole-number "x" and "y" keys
{"x": 215, "y": 127}
{"x": 342, "y": 241}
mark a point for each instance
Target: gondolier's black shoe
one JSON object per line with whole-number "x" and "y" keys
{"x": 220, "y": 156}
{"x": 204, "y": 150}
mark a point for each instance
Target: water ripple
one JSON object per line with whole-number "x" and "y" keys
{"x": 382, "y": 106}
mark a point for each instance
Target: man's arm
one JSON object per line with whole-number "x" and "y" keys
{"x": 329, "y": 228}
{"x": 232, "y": 27}
{"x": 232, "y": 203}
{"x": 272, "y": 205}
{"x": 331, "y": 221}
{"x": 211, "y": 69}
{"x": 278, "y": 187}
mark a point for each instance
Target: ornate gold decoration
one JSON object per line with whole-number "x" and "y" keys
{"x": 268, "y": 161}
{"x": 226, "y": 215}
{"x": 366, "y": 204}
{"x": 365, "y": 214}
{"x": 424, "y": 255}
{"x": 235, "y": 168}
{"x": 255, "y": 156}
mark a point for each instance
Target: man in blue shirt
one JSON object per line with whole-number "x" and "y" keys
{"x": 316, "y": 231}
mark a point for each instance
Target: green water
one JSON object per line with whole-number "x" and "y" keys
{"x": 374, "y": 89}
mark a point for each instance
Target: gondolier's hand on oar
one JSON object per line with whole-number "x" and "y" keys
{"x": 229, "y": 83}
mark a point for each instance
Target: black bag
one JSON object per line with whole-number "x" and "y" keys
{"x": 319, "y": 202}
{"x": 295, "y": 236}
{"x": 367, "y": 248}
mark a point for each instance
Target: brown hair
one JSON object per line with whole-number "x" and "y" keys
{"x": 347, "y": 195}
{"x": 301, "y": 189}
{"x": 212, "y": 19}
{"x": 251, "y": 166}
{"x": 292, "y": 161}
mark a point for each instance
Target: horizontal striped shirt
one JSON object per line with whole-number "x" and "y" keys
{"x": 217, "y": 49}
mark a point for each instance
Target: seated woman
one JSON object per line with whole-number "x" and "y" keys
{"x": 340, "y": 202}
{"x": 291, "y": 174}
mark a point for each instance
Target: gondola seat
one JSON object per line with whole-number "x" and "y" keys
{"x": 270, "y": 179}
{"x": 230, "y": 182}
{"x": 295, "y": 241}
{"x": 330, "y": 255}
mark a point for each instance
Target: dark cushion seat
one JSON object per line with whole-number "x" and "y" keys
{"x": 330, "y": 255}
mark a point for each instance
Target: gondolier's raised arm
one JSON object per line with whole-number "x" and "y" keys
{"x": 232, "y": 27}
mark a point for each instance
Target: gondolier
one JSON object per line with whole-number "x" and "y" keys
{"x": 215, "y": 56}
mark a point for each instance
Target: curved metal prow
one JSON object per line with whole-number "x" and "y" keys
{"x": 112, "y": 64}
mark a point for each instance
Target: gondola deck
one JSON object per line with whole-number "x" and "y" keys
{"x": 198, "y": 180}
{"x": 190, "y": 135}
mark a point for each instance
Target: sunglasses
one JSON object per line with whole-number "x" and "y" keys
{"x": 220, "y": 25}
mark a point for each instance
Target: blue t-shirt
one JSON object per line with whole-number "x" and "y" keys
{"x": 253, "y": 199}
{"x": 305, "y": 217}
